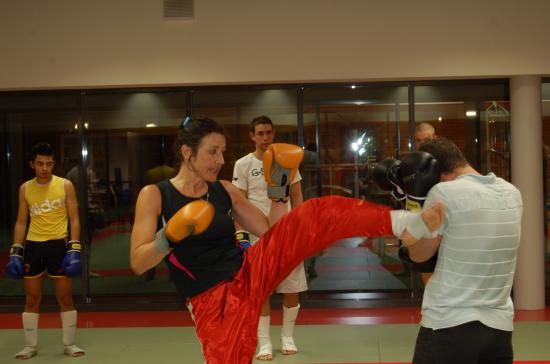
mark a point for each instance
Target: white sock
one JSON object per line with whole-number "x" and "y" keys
{"x": 68, "y": 321}
{"x": 263, "y": 329}
{"x": 30, "y": 327}
{"x": 289, "y": 319}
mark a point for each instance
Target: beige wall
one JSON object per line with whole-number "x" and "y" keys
{"x": 83, "y": 43}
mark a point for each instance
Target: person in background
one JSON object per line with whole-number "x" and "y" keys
{"x": 423, "y": 133}
{"x": 50, "y": 202}
{"x": 248, "y": 177}
{"x": 312, "y": 175}
{"x": 95, "y": 214}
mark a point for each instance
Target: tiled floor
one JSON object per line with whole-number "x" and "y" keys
{"x": 342, "y": 335}
{"x": 323, "y": 335}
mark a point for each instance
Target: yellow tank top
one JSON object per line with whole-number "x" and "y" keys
{"x": 47, "y": 209}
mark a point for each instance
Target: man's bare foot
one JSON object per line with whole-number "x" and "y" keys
{"x": 288, "y": 346}
{"x": 266, "y": 357}
{"x": 27, "y": 353}
{"x": 74, "y": 351}
{"x": 266, "y": 352}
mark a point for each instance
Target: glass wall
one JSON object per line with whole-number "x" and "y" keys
{"x": 124, "y": 140}
{"x": 475, "y": 116}
{"x": 235, "y": 109}
{"x": 26, "y": 120}
{"x": 346, "y": 131}
{"x": 130, "y": 143}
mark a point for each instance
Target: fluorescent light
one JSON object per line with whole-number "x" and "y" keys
{"x": 353, "y": 86}
{"x": 151, "y": 125}
{"x": 440, "y": 119}
{"x": 471, "y": 113}
{"x": 360, "y": 140}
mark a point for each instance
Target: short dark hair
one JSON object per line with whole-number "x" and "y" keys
{"x": 41, "y": 148}
{"x": 192, "y": 130}
{"x": 446, "y": 152}
{"x": 259, "y": 120}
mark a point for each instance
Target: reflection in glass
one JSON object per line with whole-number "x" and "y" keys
{"x": 124, "y": 140}
{"x": 26, "y": 120}
{"x": 236, "y": 109}
{"x": 130, "y": 139}
{"x": 347, "y": 130}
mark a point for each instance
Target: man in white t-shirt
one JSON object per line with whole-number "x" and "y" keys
{"x": 248, "y": 176}
{"x": 467, "y": 311}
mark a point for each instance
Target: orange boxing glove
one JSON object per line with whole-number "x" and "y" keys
{"x": 281, "y": 162}
{"x": 191, "y": 219}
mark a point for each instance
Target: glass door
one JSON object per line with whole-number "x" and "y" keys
{"x": 346, "y": 132}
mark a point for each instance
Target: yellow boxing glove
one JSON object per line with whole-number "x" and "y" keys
{"x": 281, "y": 162}
{"x": 192, "y": 219}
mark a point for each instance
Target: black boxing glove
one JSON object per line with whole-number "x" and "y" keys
{"x": 419, "y": 171}
{"x": 385, "y": 175}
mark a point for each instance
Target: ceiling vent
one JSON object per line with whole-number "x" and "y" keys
{"x": 179, "y": 9}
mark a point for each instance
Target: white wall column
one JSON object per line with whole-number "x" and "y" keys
{"x": 526, "y": 155}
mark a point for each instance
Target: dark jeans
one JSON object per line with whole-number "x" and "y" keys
{"x": 468, "y": 343}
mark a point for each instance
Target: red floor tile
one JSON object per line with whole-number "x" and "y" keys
{"x": 370, "y": 316}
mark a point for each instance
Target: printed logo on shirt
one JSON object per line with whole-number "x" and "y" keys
{"x": 257, "y": 172}
{"x": 46, "y": 206}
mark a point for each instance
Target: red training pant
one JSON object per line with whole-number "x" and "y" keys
{"x": 226, "y": 316}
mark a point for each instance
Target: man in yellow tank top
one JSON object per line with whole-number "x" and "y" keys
{"x": 51, "y": 204}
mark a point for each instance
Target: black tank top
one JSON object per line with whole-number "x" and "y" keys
{"x": 210, "y": 257}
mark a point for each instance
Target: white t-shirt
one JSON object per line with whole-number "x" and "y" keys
{"x": 248, "y": 175}
{"x": 477, "y": 257}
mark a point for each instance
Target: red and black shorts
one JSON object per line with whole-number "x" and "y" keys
{"x": 43, "y": 256}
